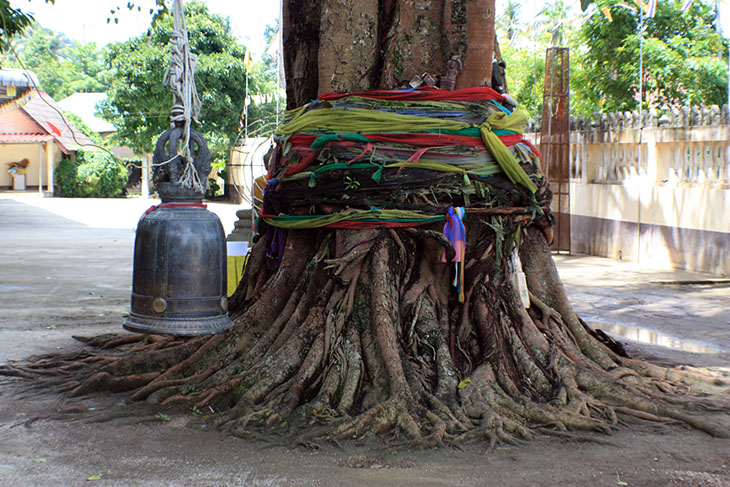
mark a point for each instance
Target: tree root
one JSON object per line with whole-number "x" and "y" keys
{"x": 373, "y": 343}
{"x": 103, "y": 381}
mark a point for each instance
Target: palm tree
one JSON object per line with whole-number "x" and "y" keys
{"x": 554, "y": 19}
{"x": 509, "y": 21}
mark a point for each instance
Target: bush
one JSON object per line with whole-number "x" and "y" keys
{"x": 94, "y": 174}
{"x": 67, "y": 178}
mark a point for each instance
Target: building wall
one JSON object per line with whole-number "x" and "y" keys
{"x": 246, "y": 164}
{"x": 16, "y": 122}
{"x": 17, "y": 152}
{"x": 670, "y": 227}
{"x": 658, "y": 194}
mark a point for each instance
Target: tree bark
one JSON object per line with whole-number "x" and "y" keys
{"x": 357, "y": 45}
{"x": 480, "y": 47}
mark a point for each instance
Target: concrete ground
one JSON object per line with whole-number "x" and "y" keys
{"x": 66, "y": 269}
{"x": 681, "y": 312}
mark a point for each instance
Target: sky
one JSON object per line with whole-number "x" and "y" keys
{"x": 530, "y": 8}
{"x": 85, "y": 20}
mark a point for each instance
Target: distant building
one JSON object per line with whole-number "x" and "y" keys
{"x": 32, "y": 127}
{"x": 86, "y": 107}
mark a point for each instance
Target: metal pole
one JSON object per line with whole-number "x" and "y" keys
{"x": 549, "y": 67}
{"x": 641, "y": 125}
{"x": 641, "y": 83}
{"x": 641, "y": 58}
{"x": 245, "y": 110}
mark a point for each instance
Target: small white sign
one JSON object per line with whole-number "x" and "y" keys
{"x": 235, "y": 249}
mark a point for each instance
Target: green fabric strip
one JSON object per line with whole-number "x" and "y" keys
{"x": 481, "y": 170}
{"x": 359, "y": 121}
{"x": 323, "y": 140}
{"x": 299, "y": 222}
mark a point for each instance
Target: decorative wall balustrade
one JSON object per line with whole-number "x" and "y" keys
{"x": 652, "y": 190}
{"x": 620, "y": 162}
{"x": 685, "y": 146}
{"x": 699, "y": 162}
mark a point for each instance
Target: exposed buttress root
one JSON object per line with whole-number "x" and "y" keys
{"x": 359, "y": 334}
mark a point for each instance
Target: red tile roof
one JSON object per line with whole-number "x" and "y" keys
{"x": 46, "y": 117}
{"x": 46, "y": 113}
{"x": 24, "y": 138}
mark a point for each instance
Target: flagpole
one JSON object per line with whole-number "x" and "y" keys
{"x": 641, "y": 121}
{"x": 641, "y": 62}
{"x": 248, "y": 64}
{"x": 641, "y": 84}
{"x": 277, "y": 86}
{"x": 245, "y": 111}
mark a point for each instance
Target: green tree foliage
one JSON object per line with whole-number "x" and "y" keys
{"x": 685, "y": 61}
{"x": 86, "y": 70}
{"x": 138, "y": 104}
{"x": 683, "y": 58}
{"x": 509, "y": 21}
{"x": 523, "y": 48}
{"x": 95, "y": 174}
{"x": 553, "y": 23}
{"x": 12, "y": 23}
{"x": 74, "y": 119}
{"x": 525, "y": 74}
{"x": 63, "y": 67}
{"x": 261, "y": 114}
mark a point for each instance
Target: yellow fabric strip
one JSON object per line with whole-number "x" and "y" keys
{"x": 235, "y": 266}
{"x": 360, "y": 121}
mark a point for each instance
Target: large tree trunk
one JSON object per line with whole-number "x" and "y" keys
{"x": 345, "y": 333}
{"x": 357, "y": 45}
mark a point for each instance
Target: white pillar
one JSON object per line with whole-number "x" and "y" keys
{"x": 40, "y": 168}
{"x": 651, "y": 155}
{"x": 49, "y": 161}
{"x": 146, "y": 176}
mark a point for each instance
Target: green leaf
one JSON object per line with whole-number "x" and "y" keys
{"x": 464, "y": 382}
{"x": 94, "y": 477}
{"x": 40, "y": 460}
{"x": 162, "y": 417}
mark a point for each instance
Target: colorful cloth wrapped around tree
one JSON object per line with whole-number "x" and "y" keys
{"x": 387, "y": 158}
{"x": 467, "y": 129}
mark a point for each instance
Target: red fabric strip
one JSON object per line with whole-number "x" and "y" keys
{"x": 368, "y": 148}
{"x": 481, "y": 93}
{"x": 368, "y": 225}
{"x": 174, "y": 205}
{"x": 421, "y": 140}
{"x": 301, "y": 165}
{"x": 300, "y": 140}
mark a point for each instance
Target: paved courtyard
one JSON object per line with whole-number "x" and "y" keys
{"x": 66, "y": 269}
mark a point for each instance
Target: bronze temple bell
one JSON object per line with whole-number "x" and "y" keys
{"x": 179, "y": 278}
